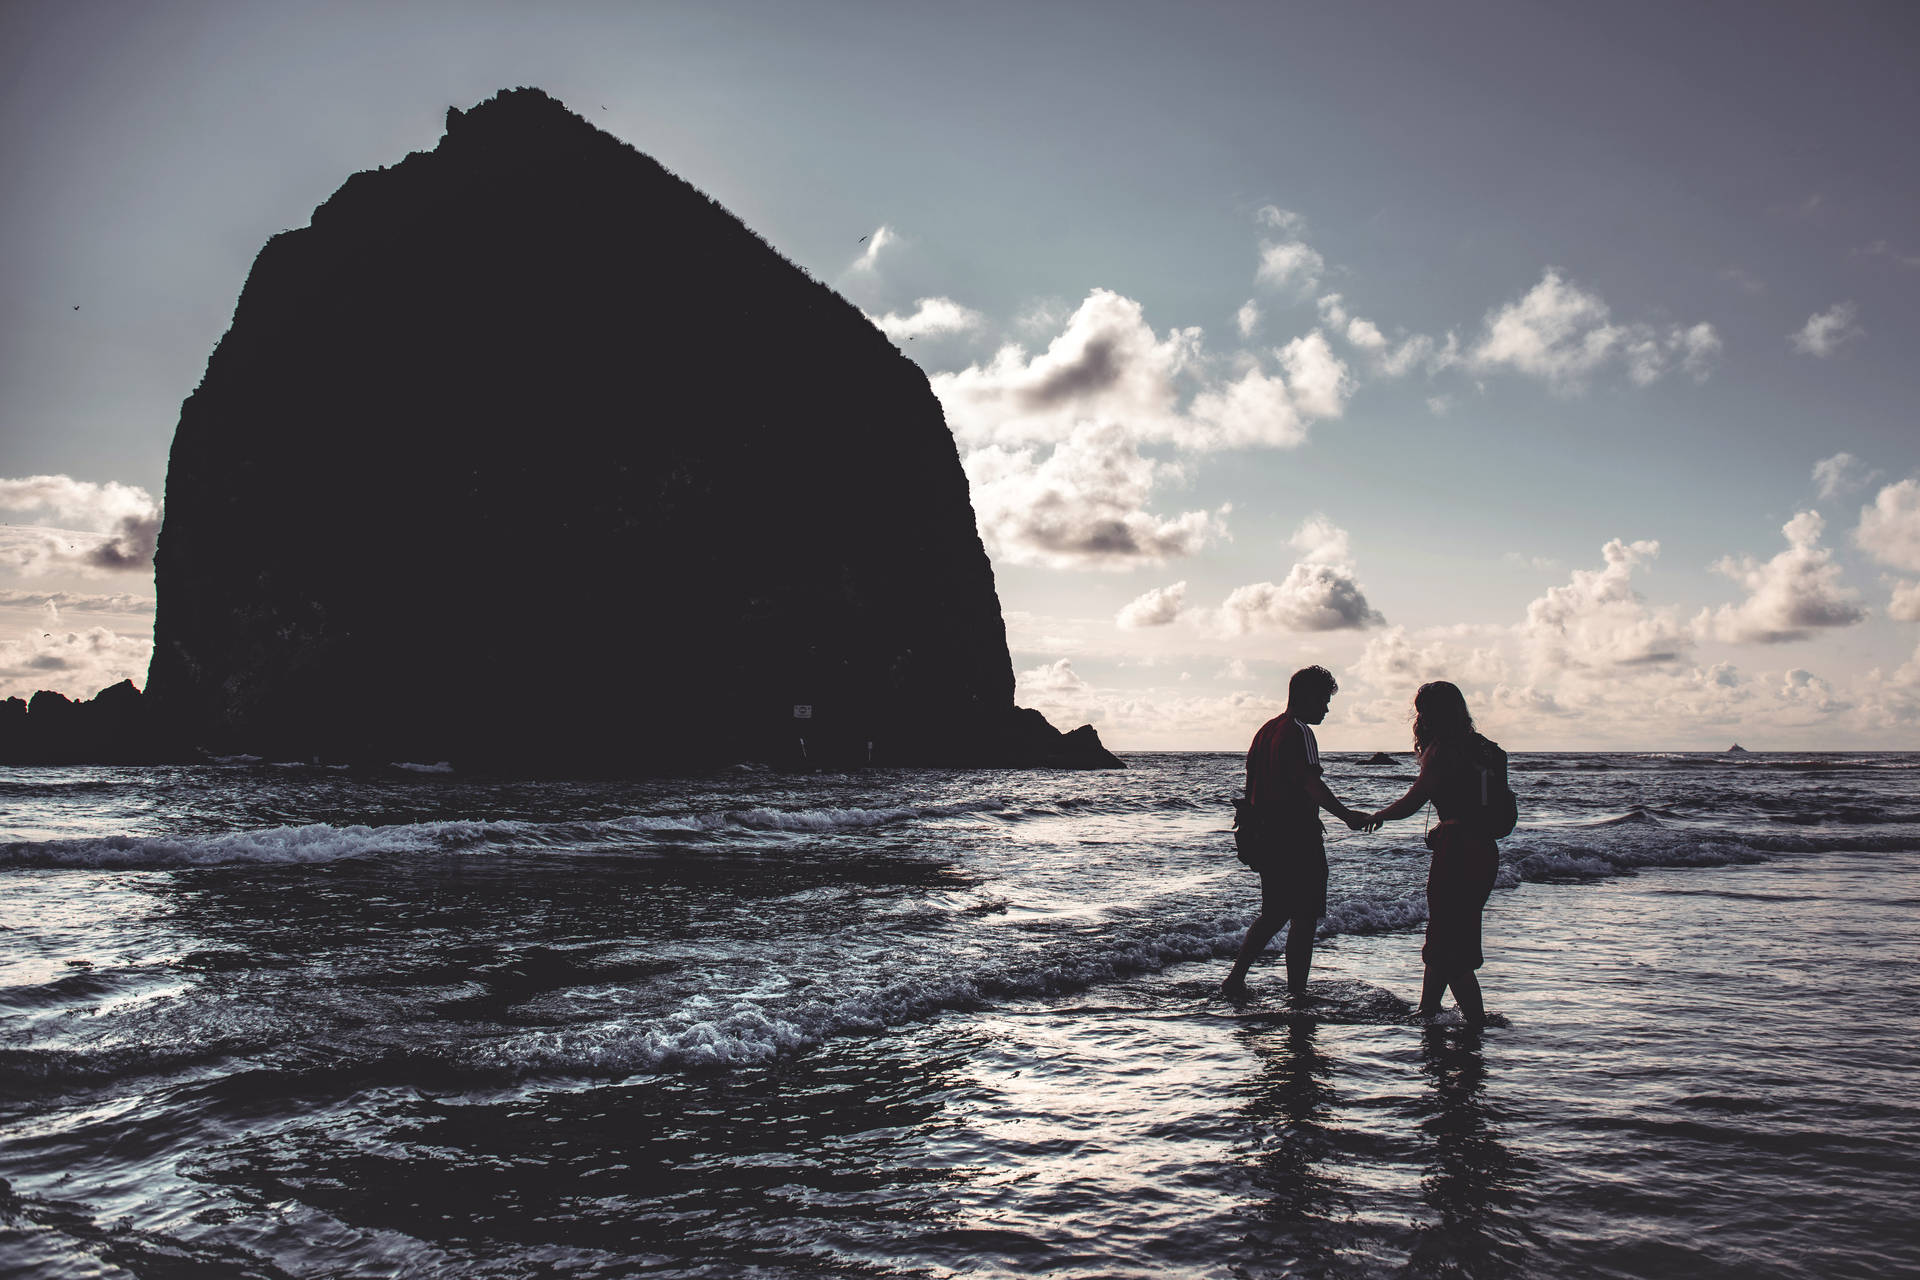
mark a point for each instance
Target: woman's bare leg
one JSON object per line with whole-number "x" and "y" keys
{"x": 1466, "y": 991}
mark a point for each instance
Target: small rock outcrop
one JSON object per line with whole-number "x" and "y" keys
{"x": 1380, "y": 757}
{"x": 1737, "y": 750}
{"x": 113, "y": 727}
{"x": 528, "y": 455}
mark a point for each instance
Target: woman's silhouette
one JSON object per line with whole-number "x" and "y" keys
{"x": 1454, "y": 762}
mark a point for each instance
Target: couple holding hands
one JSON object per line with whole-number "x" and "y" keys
{"x": 1280, "y": 836}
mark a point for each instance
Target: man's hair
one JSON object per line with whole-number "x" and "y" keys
{"x": 1310, "y": 681}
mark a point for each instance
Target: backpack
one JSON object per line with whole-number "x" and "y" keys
{"x": 1499, "y": 807}
{"x": 1249, "y": 833}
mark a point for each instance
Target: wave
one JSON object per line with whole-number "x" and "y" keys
{"x": 324, "y": 842}
{"x": 1634, "y": 817}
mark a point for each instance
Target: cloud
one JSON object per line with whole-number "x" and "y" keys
{"x": 56, "y": 601}
{"x": 1390, "y": 358}
{"x": 930, "y": 316}
{"x": 1753, "y": 286}
{"x": 1286, "y": 264}
{"x": 1889, "y": 530}
{"x": 1274, "y": 410}
{"x": 1598, "y": 621}
{"x": 1319, "y": 541}
{"x": 1284, "y": 220}
{"x": 1155, "y": 608}
{"x": 1697, "y": 346}
{"x": 1320, "y": 593}
{"x": 1881, "y": 249}
{"x": 1170, "y": 717}
{"x": 1842, "y": 473}
{"x": 1530, "y": 562}
{"x": 1565, "y": 335}
{"x": 1905, "y": 604}
{"x": 1788, "y": 596}
{"x": 118, "y": 525}
{"x": 879, "y": 238}
{"x": 1824, "y": 331}
{"x": 1053, "y": 678}
{"x": 1108, "y": 367}
{"x": 1082, "y": 506}
{"x": 76, "y": 663}
{"x": 1801, "y": 688}
{"x": 1395, "y": 659}
{"x": 1312, "y": 597}
{"x": 1247, "y": 319}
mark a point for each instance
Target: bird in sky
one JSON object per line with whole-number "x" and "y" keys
{"x": 861, "y": 240}
{"x": 76, "y": 306}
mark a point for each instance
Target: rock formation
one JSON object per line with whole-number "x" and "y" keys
{"x": 527, "y": 454}
{"x": 111, "y": 728}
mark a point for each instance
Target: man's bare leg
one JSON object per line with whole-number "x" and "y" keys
{"x": 1259, "y": 934}
{"x": 1300, "y": 955}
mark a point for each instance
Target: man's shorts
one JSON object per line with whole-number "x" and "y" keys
{"x": 1293, "y": 880}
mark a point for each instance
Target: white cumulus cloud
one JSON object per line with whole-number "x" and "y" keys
{"x": 1842, "y": 473}
{"x": 1598, "y": 620}
{"x": 1155, "y": 608}
{"x": 1284, "y": 220}
{"x": 1789, "y": 596}
{"x": 1824, "y": 331}
{"x": 1320, "y": 541}
{"x": 1081, "y": 506}
{"x": 929, "y": 316}
{"x": 1312, "y": 597}
{"x": 1889, "y": 530}
{"x": 1564, "y": 334}
{"x": 1108, "y": 367}
{"x": 1289, "y": 264}
{"x": 108, "y": 527}
{"x": 1905, "y": 604}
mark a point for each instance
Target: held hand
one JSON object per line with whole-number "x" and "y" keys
{"x": 1361, "y": 821}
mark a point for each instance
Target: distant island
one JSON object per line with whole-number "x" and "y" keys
{"x": 1736, "y": 749}
{"x": 528, "y": 455}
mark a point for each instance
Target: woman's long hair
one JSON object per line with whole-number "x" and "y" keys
{"x": 1439, "y": 714}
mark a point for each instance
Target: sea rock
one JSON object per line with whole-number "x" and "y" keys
{"x": 110, "y": 728}
{"x": 1737, "y": 749}
{"x": 526, "y": 454}
{"x": 1380, "y": 757}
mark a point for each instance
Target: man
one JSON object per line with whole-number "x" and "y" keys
{"x": 1286, "y": 793}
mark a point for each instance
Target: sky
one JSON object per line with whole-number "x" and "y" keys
{"x": 1565, "y": 352}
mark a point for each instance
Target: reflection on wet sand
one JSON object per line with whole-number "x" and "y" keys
{"x": 1470, "y": 1179}
{"x": 1310, "y": 1151}
{"x": 1293, "y": 1148}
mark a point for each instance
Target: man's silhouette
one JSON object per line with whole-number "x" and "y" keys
{"x": 1286, "y": 793}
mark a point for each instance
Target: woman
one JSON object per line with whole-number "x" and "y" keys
{"x": 1453, "y": 764}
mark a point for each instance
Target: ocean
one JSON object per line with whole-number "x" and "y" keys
{"x": 279, "y": 1020}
